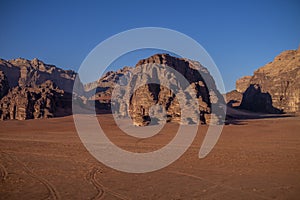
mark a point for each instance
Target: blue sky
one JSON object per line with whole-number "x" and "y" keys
{"x": 240, "y": 36}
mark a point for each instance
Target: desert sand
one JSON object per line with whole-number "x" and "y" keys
{"x": 253, "y": 159}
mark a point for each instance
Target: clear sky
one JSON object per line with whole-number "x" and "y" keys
{"x": 239, "y": 35}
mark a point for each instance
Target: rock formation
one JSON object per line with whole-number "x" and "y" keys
{"x": 44, "y": 101}
{"x": 32, "y": 89}
{"x": 280, "y": 78}
{"x": 233, "y": 98}
{"x": 153, "y": 99}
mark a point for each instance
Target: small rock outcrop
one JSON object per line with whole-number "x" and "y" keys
{"x": 233, "y": 98}
{"x": 280, "y": 78}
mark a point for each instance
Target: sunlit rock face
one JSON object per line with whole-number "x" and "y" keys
{"x": 280, "y": 78}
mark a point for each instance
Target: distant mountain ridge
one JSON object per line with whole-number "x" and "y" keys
{"x": 31, "y": 89}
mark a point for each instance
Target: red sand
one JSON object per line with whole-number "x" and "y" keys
{"x": 256, "y": 159}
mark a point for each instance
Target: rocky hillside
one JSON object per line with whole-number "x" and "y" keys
{"x": 280, "y": 79}
{"x": 33, "y": 89}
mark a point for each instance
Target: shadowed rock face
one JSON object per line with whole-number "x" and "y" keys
{"x": 257, "y": 101}
{"x": 280, "y": 78}
{"x": 44, "y": 101}
{"x": 4, "y": 86}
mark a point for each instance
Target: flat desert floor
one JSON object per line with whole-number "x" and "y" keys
{"x": 253, "y": 159}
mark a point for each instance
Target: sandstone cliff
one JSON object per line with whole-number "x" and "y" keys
{"x": 280, "y": 78}
{"x": 33, "y": 89}
{"x": 154, "y": 99}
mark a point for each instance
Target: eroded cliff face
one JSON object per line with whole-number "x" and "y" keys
{"x": 32, "y": 89}
{"x": 44, "y": 101}
{"x": 281, "y": 79}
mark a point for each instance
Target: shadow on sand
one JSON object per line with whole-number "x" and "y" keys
{"x": 235, "y": 116}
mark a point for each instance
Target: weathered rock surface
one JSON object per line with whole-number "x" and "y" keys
{"x": 233, "y": 98}
{"x": 242, "y": 84}
{"x": 281, "y": 79}
{"x": 43, "y": 101}
{"x": 32, "y": 89}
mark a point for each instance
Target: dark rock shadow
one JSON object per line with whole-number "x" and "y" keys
{"x": 238, "y": 116}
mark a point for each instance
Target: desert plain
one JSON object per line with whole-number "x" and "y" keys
{"x": 253, "y": 159}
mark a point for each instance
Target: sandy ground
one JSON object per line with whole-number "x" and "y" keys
{"x": 253, "y": 159}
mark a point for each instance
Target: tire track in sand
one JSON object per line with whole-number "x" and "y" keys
{"x": 3, "y": 173}
{"x": 101, "y": 190}
{"x": 91, "y": 177}
{"x": 52, "y": 192}
{"x": 219, "y": 185}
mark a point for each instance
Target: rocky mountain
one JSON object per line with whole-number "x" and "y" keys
{"x": 139, "y": 103}
{"x": 33, "y": 89}
{"x": 280, "y": 79}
